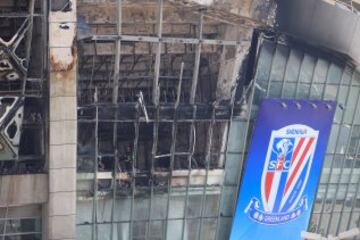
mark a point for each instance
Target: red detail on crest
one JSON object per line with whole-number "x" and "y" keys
{"x": 297, "y": 149}
{"x": 280, "y": 163}
{"x": 293, "y": 174}
{"x": 268, "y": 183}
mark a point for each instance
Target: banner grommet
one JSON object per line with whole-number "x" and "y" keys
{"x": 283, "y": 104}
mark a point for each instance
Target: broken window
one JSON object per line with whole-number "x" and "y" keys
{"x": 22, "y": 86}
{"x": 156, "y": 91}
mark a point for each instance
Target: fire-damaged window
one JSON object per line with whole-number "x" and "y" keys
{"x": 22, "y": 86}
{"x": 157, "y": 90}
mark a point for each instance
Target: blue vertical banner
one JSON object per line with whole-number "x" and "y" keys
{"x": 282, "y": 170}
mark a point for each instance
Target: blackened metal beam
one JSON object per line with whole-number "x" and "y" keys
{"x": 149, "y": 39}
{"x": 179, "y": 85}
{"x": 127, "y": 113}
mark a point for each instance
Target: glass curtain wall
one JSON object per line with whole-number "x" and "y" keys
{"x": 288, "y": 69}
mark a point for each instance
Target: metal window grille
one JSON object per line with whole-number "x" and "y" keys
{"x": 152, "y": 133}
{"x": 160, "y": 157}
{"x": 23, "y": 63}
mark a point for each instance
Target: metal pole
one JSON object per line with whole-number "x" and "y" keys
{"x": 179, "y": 86}
{"x": 28, "y": 42}
{"x": 94, "y": 216}
{"x": 207, "y": 161}
{"x": 192, "y": 145}
{"x": 133, "y": 171}
{"x": 117, "y": 53}
{"x": 156, "y": 87}
{"x": 197, "y": 61}
{"x": 114, "y": 101}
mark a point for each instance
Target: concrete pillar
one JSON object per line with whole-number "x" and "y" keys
{"x": 231, "y": 60}
{"x": 63, "y": 121}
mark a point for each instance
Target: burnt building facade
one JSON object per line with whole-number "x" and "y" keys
{"x": 131, "y": 119}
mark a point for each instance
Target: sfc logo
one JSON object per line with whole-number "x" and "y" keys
{"x": 285, "y": 174}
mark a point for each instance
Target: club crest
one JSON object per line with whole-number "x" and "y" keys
{"x": 284, "y": 177}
